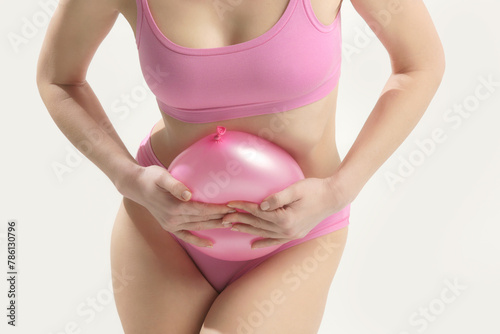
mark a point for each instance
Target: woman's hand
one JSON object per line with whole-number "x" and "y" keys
{"x": 292, "y": 212}
{"x": 158, "y": 191}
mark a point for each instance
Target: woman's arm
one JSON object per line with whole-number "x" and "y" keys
{"x": 73, "y": 36}
{"x": 406, "y": 30}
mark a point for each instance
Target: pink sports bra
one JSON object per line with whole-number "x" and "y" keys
{"x": 294, "y": 63}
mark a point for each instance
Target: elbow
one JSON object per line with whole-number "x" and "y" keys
{"x": 41, "y": 73}
{"x": 44, "y": 88}
{"x": 432, "y": 68}
{"x": 432, "y": 63}
{"x": 430, "y": 72}
{"x": 434, "y": 74}
{"x": 441, "y": 59}
{"x": 439, "y": 65}
{"x": 438, "y": 69}
{"x": 42, "y": 84}
{"x": 42, "y": 78}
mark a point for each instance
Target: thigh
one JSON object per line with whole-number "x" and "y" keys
{"x": 287, "y": 293}
{"x": 160, "y": 290}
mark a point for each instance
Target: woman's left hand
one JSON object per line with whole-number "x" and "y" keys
{"x": 292, "y": 212}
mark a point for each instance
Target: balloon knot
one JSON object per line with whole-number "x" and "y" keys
{"x": 220, "y": 131}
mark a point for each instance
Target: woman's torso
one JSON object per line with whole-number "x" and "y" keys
{"x": 307, "y": 132}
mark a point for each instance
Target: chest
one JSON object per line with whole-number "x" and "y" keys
{"x": 278, "y": 59}
{"x": 225, "y": 22}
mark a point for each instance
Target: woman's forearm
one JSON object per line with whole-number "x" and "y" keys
{"x": 79, "y": 115}
{"x": 400, "y": 106}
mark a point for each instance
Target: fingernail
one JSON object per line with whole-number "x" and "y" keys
{"x": 209, "y": 246}
{"x": 264, "y": 205}
{"x": 227, "y": 224}
{"x": 186, "y": 194}
{"x": 230, "y": 205}
{"x": 234, "y": 229}
{"x": 231, "y": 211}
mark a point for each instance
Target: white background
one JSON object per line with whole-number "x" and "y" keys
{"x": 405, "y": 243}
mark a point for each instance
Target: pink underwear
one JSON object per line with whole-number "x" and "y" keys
{"x": 221, "y": 273}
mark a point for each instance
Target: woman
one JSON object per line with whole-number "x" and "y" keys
{"x": 269, "y": 68}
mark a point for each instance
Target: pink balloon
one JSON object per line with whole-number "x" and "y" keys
{"x": 232, "y": 166}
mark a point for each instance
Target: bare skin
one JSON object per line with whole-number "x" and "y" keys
{"x": 167, "y": 293}
{"x": 309, "y": 135}
{"x": 162, "y": 269}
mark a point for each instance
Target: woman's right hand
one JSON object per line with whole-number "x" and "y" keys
{"x": 158, "y": 191}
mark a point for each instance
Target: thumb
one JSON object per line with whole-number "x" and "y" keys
{"x": 277, "y": 200}
{"x": 175, "y": 187}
